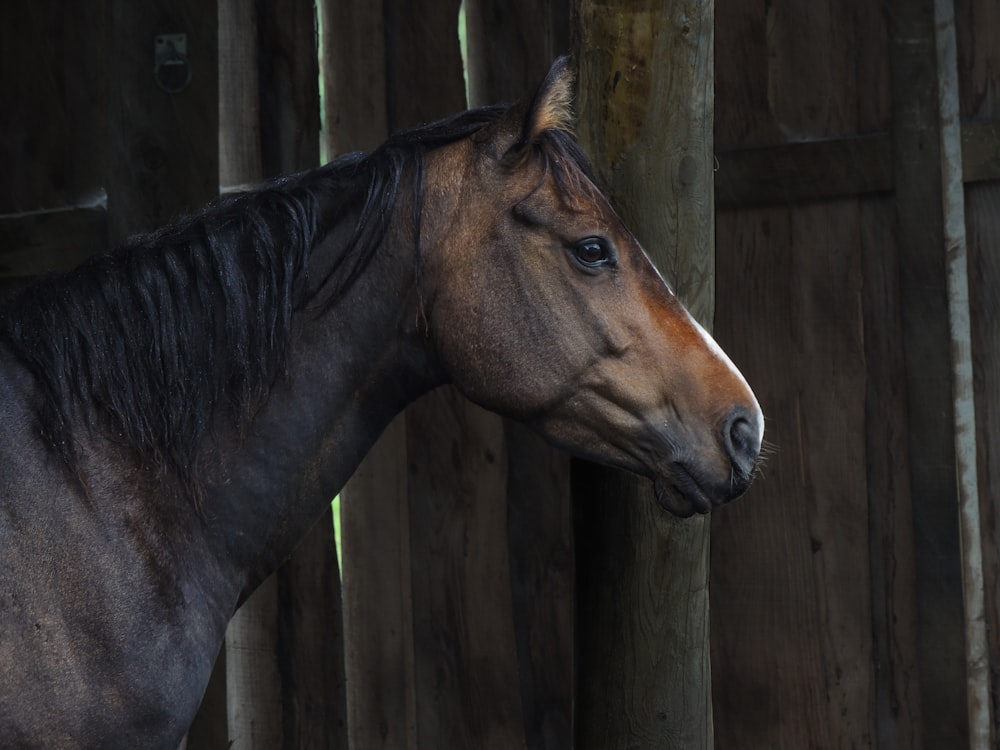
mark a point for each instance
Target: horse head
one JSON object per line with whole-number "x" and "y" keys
{"x": 544, "y": 307}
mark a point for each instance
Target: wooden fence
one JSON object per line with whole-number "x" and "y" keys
{"x": 840, "y": 587}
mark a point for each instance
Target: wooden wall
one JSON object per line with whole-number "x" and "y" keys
{"x": 791, "y": 603}
{"x": 836, "y": 609}
{"x": 979, "y": 98}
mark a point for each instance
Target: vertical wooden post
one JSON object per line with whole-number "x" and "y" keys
{"x": 378, "y": 601}
{"x": 285, "y": 647}
{"x": 926, "y": 341}
{"x": 53, "y": 137}
{"x": 378, "y": 612}
{"x": 253, "y": 684}
{"x": 955, "y": 249}
{"x": 646, "y": 104}
{"x": 511, "y": 46}
{"x": 978, "y": 59}
{"x": 53, "y": 133}
{"x": 464, "y": 654}
{"x": 163, "y": 146}
{"x": 811, "y": 567}
{"x": 510, "y": 49}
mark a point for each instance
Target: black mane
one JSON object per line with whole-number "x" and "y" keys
{"x": 152, "y": 340}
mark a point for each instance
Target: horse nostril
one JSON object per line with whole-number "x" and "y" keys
{"x": 742, "y": 440}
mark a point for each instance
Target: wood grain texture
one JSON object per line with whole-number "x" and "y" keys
{"x": 511, "y": 46}
{"x": 375, "y": 508}
{"x": 890, "y": 515}
{"x": 289, "y": 690}
{"x": 465, "y": 648}
{"x": 835, "y": 168}
{"x": 791, "y": 649}
{"x": 983, "y": 221}
{"x": 540, "y": 531}
{"x": 378, "y": 600}
{"x": 239, "y": 96}
{"x": 53, "y": 138}
{"x": 50, "y": 241}
{"x": 642, "y": 620}
{"x": 792, "y": 603}
{"x": 979, "y": 57}
{"x": 354, "y": 76}
{"x": 311, "y": 644}
{"x": 309, "y": 625}
{"x": 465, "y": 659}
{"x": 253, "y": 676}
{"x": 288, "y": 70}
{"x": 926, "y": 349}
{"x": 163, "y": 147}
{"x": 424, "y": 78}
{"x": 645, "y": 101}
{"x": 53, "y": 123}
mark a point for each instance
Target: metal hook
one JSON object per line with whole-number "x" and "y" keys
{"x": 171, "y": 70}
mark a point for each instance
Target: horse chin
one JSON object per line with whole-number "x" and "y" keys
{"x": 681, "y": 495}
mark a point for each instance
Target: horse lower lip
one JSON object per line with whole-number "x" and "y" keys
{"x": 683, "y": 498}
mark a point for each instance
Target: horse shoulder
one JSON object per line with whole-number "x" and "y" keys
{"x": 105, "y": 634}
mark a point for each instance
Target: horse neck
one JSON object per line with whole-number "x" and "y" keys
{"x": 351, "y": 370}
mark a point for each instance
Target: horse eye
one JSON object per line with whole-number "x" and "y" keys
{"x": 592, "y": 252}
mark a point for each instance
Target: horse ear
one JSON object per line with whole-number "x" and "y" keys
{"x": 551, "y": 108}
{"x": 523, "y": 124}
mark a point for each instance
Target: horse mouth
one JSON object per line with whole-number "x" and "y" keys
{"x": 681, "y": 494}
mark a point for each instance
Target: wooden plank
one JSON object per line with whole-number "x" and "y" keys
{"x": 981, "y": 151}
{"x": 539, "y": 512}
{"x": 354, "y": 76}
{"x": 53, "y": 136}
{"x": 378, "y": 606}
{"x": 309, "y": 618}
{"x": 239, "y": 96}
{"x": 311, "y": 644}
{"x": 163, "y": 147}
{"x": 53, "y": 124}
{"x": 50, "y": 241}
{"x": 540, "y": 530}
{"x": 210, "y": 728}
{"x": 270, "y": 111}
{"x": 926, "y": 346}
{"x": 421, "y": 86}
{"x": 288, "y": 70}
{"x": 511, "y": 46}
{"x": 955, "y": 250}
{"x": 983, "y": 219}
{"x": 890, "y": 518}
{"x": 253, "y": 677}
{"x": 799, "y": 172}
{"x": 643, "y": 672}
{"x": 465, "y": 659}
{"x": 978, "y": 58}
{"x": 791, "y": 651}
{"x": 378, "y": 610}
{"x": 465, "y": 650}
{"x": 834, "y": 168}
{"x": 791, "y": 603}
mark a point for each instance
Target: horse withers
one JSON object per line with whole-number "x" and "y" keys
{"x": 176, "y": 413}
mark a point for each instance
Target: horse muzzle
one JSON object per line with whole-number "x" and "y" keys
{"x": 701, "y": 480}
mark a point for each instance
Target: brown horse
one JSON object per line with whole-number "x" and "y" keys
{"x": 175, "y": 414}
